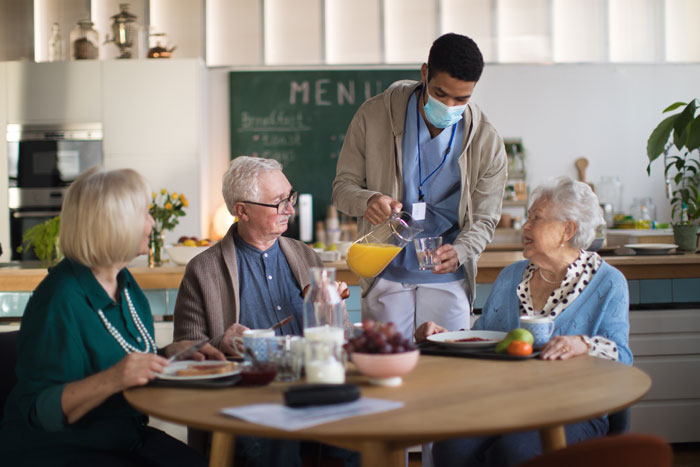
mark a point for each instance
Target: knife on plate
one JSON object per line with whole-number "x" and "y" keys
{"x": 188, "y": 351}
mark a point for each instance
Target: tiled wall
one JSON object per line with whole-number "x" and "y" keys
{"x": 642, "y": 292}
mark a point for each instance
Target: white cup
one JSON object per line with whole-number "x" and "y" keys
{"x": 541, "y": 327}
{"x": 258, "y": 341}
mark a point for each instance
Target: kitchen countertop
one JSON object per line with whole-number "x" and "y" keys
{"x": 25, "y": 277}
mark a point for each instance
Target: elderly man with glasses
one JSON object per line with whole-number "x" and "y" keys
{"x": 253, "y": 277}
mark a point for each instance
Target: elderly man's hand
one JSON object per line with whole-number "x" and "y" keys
{"x": 380, "y": 207}
{"x": 427, "y": 329}
{"x": 449, "y": 262}
{"x": 227, "y": 345}
{"x": 564, "y": 347}
{"x": 206, "y": 352}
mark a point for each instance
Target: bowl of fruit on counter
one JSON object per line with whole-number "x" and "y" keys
{"x": 380, "y": 352}
{"x": 186, "y": 248}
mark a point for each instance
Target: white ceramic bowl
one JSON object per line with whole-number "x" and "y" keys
{"x": 181, "y": 255}
{"x": 385, "y": 369}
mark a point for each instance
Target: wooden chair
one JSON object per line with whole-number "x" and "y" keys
{"x": 8, "y": 361}
{"x": 629, "y": 450}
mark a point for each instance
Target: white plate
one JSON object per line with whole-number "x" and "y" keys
{"x": 447, "y": 339}
{"x": 169, "y": 372}
{"x": 651, "y": 248}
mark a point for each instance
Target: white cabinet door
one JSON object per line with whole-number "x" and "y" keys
{"x": 152, "y": 106}
{"x": 65, "y": 92}
{"x": 153, "y": 117}
{"x": 4, "y": 211}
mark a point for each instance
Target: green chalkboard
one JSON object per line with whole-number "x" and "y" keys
{"x": 300, "y": 118}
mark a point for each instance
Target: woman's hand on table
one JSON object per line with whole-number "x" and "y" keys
{"x": 563, "y": 348}
{"x": 227, "y": 345}
{"x": 427, "y": 329}
{"x": 449, "y": 262}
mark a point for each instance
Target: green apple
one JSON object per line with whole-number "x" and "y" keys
{"x": 518, "y": 334}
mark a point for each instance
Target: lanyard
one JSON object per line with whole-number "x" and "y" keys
{"x": 421, "y": 180}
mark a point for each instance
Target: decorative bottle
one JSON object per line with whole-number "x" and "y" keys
{"x": 56, "y": 51}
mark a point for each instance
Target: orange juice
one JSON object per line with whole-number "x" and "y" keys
{"x": 369, "y": 259}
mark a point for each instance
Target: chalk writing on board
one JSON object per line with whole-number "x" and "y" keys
{"x": 300, "y": 117}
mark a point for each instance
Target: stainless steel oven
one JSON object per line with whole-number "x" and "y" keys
{"x": 42, "y": 161}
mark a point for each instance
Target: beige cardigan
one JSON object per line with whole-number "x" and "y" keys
{"x": 370, "y": 162}
{"x": 208, "y": 300}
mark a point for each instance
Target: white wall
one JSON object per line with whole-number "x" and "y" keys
{"x": 602, "y": 112}
{"x": 562, "y": 112}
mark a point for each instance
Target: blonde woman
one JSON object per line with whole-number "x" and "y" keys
{"x": 86, "y": 335}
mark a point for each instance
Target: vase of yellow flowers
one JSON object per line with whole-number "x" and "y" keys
{"x": 165, "y": 209}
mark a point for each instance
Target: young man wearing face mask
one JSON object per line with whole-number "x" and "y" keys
{"x": 424, "y": 148}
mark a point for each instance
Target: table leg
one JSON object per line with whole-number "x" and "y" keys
{"x": 552, "y": 438}
{"x": 376, "y": 453}
{"x": 222, "y": 446}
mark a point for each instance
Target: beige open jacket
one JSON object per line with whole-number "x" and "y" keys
{"x": 371, "y": 162}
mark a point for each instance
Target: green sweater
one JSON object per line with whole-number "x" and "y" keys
{"x": 62, "y": 340}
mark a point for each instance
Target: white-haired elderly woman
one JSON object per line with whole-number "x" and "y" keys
{"x": 86, "y": 335}
{"x": 587, "y": 298}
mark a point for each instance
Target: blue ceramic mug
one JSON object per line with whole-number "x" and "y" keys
{"x": 260, "y": 341}
{"x": 541, "y": 327}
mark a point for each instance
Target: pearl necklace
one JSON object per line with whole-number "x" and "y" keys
{"x": 539, "y": 271}
{"x": 128, "y": 348}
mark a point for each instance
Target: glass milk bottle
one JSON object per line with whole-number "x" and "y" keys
{"x": 323, "y": 308}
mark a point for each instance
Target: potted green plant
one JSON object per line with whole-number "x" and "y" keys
{"x": 43, "y": 239}
{"x": 677, "y": 137}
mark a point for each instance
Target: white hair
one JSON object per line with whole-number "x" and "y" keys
{"x": 241, "y": 179}
{"x": 572, "y": 201}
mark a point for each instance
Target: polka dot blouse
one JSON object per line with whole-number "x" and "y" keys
{"x": 578, "y": 275}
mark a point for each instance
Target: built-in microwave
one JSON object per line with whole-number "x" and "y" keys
{"x": 42, "y": 161}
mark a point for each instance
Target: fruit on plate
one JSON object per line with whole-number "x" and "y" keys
{"x": 517, "y": 334}
{"x": 519, "y": 348}
{"x": 193, "y": 241}
{"x": 379, "y": 338}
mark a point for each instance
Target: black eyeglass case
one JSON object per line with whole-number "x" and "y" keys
{"x": 320, "y": 394}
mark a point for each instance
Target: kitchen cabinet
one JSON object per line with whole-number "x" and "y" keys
{"x": 151, "y": 112}
{"x": 4, "y": 210}
{"x": 153, "y": 122}
{"x": 666, "y": 345}
{"x": 61, "y": 92}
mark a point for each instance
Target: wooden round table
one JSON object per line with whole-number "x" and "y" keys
{"x": 444, "y": 397}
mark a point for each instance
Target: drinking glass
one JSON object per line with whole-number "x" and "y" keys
{"x": 426, "y": 251}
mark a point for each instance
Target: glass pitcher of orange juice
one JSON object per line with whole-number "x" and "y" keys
{"x": 369, "y": 255}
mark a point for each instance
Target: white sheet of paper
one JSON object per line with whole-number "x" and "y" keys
{"x": 286, "y": 418}
{"x": 418, "y": 212}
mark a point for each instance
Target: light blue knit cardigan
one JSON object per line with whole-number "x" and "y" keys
{"x": 602, "y": 309}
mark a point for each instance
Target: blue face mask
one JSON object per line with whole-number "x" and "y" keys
{"x": 441, "y": 115}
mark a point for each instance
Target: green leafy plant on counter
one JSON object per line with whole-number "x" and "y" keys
{"x": 677, "y": 138}
{"x": 43, "y": 239}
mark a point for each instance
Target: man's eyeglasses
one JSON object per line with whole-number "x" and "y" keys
{"x": 282, "y": 205}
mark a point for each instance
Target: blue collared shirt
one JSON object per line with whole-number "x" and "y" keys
{"x": 441, "y": 191}
{"x": 268, "y": 290}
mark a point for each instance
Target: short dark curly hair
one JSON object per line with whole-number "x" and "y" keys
{"x": 457, "y": 55}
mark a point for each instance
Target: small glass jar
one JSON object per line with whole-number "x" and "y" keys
{"x": 84, "y": 41}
